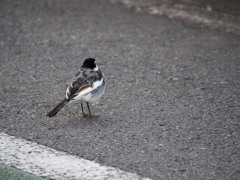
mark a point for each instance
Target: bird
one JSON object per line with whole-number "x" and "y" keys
{"x": 88, "y": 86}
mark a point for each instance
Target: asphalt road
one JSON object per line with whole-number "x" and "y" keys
{"x": 214, "y": 14}
{"x": 171, "y": 108}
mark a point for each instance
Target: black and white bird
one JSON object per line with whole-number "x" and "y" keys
{"x": 87, "y": 86}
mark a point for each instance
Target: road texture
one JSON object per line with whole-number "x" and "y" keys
{"x": 171, "y": 108}
{"x": 214, "y": 14}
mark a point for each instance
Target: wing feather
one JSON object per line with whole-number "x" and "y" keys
{"x": 83, "y": 79}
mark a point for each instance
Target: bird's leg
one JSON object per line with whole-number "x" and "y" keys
{"x": 89, "y": 110}
{"x": 83, "y": 110}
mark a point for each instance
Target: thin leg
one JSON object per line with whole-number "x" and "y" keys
{"x": 89, "y": 110}
{"x": 82, "y": 109}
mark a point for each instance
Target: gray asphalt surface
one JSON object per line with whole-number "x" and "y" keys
{"x": 214, "y": 14}
{"x": 171, "y": 108}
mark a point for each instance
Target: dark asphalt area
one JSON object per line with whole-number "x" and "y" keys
{"x": 171, "y": 108}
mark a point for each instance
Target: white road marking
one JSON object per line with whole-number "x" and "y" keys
{"x": 47, "y": 162}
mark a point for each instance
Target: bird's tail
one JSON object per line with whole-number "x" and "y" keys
{"x": 58, "y": 107}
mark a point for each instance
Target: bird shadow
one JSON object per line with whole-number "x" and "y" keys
{"x": 75, "y": 121}
{"x": 88, "y": 122}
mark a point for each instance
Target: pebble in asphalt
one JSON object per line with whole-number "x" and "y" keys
{"x": 171, "y": 108}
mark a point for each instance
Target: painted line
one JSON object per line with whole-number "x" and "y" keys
{"x": 10, "y": 173}
{"x": 50, "y": 163}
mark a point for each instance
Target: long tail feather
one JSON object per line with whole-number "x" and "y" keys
{"x": 58, "y": 107}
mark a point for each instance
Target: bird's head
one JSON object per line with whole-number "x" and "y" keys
{"x": 89, "y": 63}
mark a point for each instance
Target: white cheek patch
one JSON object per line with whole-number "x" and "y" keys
{"x": 96, "y": 68}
